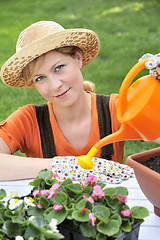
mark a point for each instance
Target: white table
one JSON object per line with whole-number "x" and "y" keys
{"x": 149, "y": 230}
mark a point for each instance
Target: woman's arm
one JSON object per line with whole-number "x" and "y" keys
{"x": 14, "y": 167}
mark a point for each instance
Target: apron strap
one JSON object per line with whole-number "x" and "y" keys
{"x": 104, "y": 120}
{"x": 47, "y": 139}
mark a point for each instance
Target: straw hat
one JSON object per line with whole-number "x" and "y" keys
{"x": 40, "y": 38}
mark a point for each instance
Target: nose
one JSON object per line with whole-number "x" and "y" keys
{"x": 55, "y": 83}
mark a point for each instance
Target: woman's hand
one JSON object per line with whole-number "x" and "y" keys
{"x": 153, "y": 65}
{"x": 156, "y": 140}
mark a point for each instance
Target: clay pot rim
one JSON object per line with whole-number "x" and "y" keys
{"x": 135, "y": 161}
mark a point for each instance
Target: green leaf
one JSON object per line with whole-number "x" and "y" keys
{"x": 110, "y": 228}
{"x": 118, "y": 234}
{"x": 126, "y": 226}
{"x": 110, "y": 191}
{"x": 121, "y": 191}
{"x": 101, "y": 212}
{"x": 45, "y": 174}
{"x": 75, "y": 224}
{"x": 100, "y": 236}
{"x": 60, "y": 198}
{"x": 44, "y": 202}
{"x": 70, "y": 210}
{"x": 70, "y": 206}
{"x": 81, "y": 204}
{"x": 2, "y": 204}
{"x": 12, "y": 229}
{"x": 42, "y": 237}
{"x": 50, "y": 182}
{"x": 81, "y": 216}
{"x": 69, "y": 215}
{"x": 118, "y": 209}
{"x": 87, "y": 230}
{"x": 140, "y": 221}
{"x": 31, "y": 231}
{"x": 19, "y": 220}
{"x": 39, "y": 222}
{"x": 1, "y": 235}
{"x": 37, "y": 230}
{"x": 132, "y": 220}
{"x": 58, "y": 215}
{"x": 66, "y": 182}
{"x": 35, "y": 183}
{"x": 36, "y": 212}
{"x": 89, "y": 205}
{"x": 75, "y": 188}
{"x": 112, "y": 202}
{"x": 116, "y": 191}
{"x": 48, "y": 234}
{"x": 10, "y": 213}
{"x": 43, "y": 180}
{"x": 88, "y": 189}
{"x": 2, "y": 193}
{"x": 47, "y": 211}
{"x": 117, "y": 218}
{"x": 1, "y": 220}
{"x": 140, "y": 212}
{"x": 2, "y": 212}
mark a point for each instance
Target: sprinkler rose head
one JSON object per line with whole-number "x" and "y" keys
{"x": 85, "y": 161}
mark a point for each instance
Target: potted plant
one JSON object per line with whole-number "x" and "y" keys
{"x": 70, "y": 210}
{"x": 148, "y": 179}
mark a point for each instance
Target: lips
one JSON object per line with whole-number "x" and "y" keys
{"x": 62, "y": 94}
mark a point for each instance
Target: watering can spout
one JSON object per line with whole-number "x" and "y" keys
{"x": 124, "y": 133}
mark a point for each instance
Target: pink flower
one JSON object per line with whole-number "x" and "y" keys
{"x": 55, "y": 186}
{"x": 91, "y": 180}
{"x": 122, "y": 198}
{"x": 51, "y": 193}
{"x": 57, "y": 207}
{"x": 43, "y": 192}
{"x": 54, "y": 175}
{"x": 39, "y": 205}
{"x": 80, "y": 182}
{"x": 126, "y": 213}
{"x": 90, "y": 199}
{"x": 35, "y": 192}
{"x": 52, "y": 190}
{"x": 92, "y": 218}
{"x": 97, "y": 192}
{"x": 84, "y": 209}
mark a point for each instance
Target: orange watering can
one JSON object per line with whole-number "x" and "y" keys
{"x": 138, "y": 112}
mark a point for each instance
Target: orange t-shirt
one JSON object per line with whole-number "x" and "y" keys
{"x": 21, "y": 132}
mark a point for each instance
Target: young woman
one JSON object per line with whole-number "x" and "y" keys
{"x": 50, "y": 59}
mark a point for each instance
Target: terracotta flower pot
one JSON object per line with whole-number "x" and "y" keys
{"x": 148, "y": 179}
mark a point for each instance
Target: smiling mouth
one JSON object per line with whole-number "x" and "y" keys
{"x": 62, "y": 94}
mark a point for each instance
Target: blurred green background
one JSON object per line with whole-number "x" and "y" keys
{"x": 127, "y": 29}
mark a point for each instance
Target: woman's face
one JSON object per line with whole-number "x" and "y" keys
{"x": 58, "y": 78}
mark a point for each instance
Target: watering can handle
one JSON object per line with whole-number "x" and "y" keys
{"x": 126, "y": 83}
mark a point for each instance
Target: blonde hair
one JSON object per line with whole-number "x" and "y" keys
{"x": 28, "y": 76}
{"x": 88, "y": 86}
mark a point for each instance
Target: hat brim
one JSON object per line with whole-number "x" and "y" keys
{"x": 86, "y": 40}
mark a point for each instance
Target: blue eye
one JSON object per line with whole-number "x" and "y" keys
{"x": 58, "y": 68}
{"x": 39, "y": 78}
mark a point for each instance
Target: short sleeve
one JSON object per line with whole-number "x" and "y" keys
{"x": 20, "y": 131}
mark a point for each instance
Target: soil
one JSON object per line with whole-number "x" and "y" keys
{"x": 153, "y": 163}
